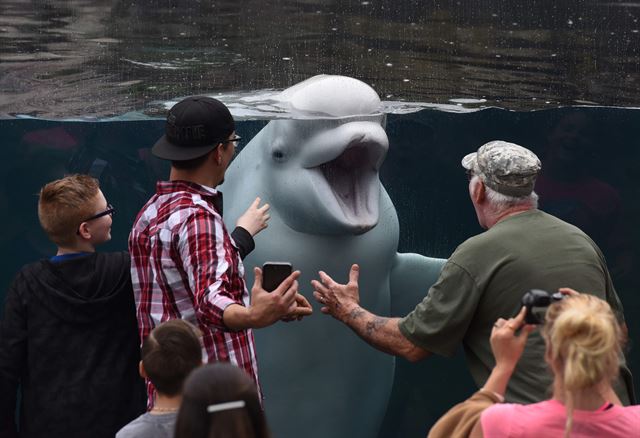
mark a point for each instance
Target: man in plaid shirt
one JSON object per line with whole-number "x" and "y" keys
{"x": 184, "y": 263}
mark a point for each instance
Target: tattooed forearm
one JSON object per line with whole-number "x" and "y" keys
{"x": 374, "y": 324}
{"x": 382, "y": 333}
{"x": 356, "y": 313}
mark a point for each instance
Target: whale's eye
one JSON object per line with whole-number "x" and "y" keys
{"x": 278, "y": 155}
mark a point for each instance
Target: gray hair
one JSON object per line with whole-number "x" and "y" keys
{"x": 500, "y": 202}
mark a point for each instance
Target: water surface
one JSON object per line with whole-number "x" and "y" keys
{"x": 102, "y": 58}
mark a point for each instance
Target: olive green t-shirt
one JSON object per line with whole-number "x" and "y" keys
{"x": 485, "y": 279}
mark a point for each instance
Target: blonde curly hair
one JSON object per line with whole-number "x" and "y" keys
{"x": 584, "y": 344}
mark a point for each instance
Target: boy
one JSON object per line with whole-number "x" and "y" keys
{"x": 170, "y": 352}
{"x": 68, "y": 337}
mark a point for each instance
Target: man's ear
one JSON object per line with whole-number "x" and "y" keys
{"x": 479, "y": 193}
{"x": 141, "y": 370}
{"x": 217, "y": 154}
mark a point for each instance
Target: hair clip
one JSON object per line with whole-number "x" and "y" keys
{"x": 225, "y": 406}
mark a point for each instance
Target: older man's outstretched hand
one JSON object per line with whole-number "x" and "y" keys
{"x": 338, "y": 300}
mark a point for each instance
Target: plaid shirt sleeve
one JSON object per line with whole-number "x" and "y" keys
{"x": 204, "y": 247}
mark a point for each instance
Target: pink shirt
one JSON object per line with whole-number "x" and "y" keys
{"x": 547, "y": 419}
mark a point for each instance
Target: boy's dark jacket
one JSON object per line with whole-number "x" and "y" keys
{"x": 69, "y": 340}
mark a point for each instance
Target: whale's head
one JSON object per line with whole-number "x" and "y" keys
{"x": 322, "y": 167}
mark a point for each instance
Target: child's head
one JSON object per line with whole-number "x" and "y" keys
{"x": 170, "y": 352}
{"x": 220, "y": 401}
{"x": 73, "y": 209}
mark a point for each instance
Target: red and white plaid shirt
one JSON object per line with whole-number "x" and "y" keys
{"x": 185, "y": 265}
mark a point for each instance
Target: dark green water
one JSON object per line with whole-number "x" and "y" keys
{"x": 591, "y": 158}
{"x": 100, "y": 58}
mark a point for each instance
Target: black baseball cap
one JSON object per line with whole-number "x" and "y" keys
{"x": 195, "y": 126}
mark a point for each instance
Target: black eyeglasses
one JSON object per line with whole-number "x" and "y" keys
{"x": 109, "y": 211}
{"x": 233, "y": 140}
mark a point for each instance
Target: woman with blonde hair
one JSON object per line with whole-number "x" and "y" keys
{"x": 583, "y": 348}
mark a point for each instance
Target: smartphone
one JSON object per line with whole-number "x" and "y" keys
{"x": 274, "y": 273}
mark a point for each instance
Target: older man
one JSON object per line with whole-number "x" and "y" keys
{"x": 485, "y": 278}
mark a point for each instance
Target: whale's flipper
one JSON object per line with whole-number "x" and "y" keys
{"x": 411, "y": 277}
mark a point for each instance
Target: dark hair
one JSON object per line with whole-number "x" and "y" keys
{"x": 170, "y": 352}
{"x": 214, "y": 384}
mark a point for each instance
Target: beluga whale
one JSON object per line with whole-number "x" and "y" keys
{"x": 318, "y": 169}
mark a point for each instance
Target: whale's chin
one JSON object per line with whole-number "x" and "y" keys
{"x": 349, "y": 188}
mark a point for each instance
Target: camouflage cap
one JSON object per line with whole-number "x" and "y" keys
{"x": 504, "y": 167}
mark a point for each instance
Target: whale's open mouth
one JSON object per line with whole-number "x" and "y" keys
{"x": 352, "y": 178}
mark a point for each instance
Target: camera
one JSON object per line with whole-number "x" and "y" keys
{"x": 536, "y": 301}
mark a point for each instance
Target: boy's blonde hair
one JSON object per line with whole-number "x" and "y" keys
{"x": 64, "y": 204}
{"x": 584, "y": 341}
